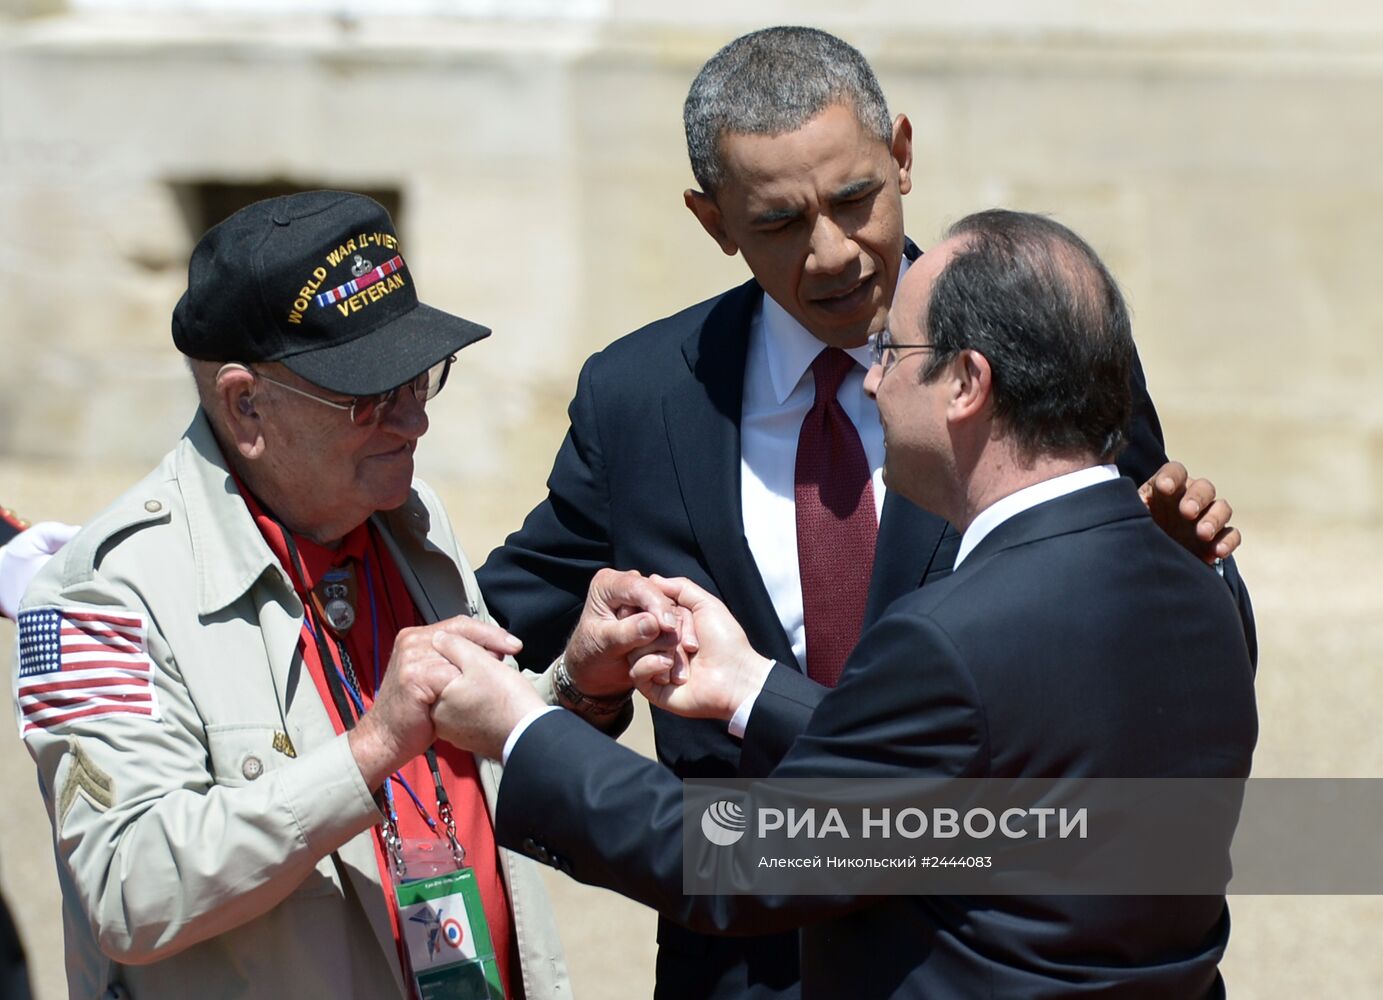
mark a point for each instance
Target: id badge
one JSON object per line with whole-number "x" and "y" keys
{"x": 448, "y": 938}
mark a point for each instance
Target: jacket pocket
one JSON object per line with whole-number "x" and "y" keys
{"x": 242, "y": 753}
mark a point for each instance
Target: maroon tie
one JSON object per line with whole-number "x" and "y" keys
{"x": 836, "y": 525}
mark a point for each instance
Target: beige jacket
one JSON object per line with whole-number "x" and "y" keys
{"x": 223, "y": 848}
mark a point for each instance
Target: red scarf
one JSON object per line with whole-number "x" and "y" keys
{"x": 362, "y": 552}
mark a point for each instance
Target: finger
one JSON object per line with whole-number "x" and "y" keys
{"x": 458, "y": 650}
{"x": 664, "y": 646}
{"x": 670, "y": 661}
{"x": 453, "y": 691}
{"x": 632, "y": 590}
{"x": 683, "y": 591}
{"x": 1198, "y": 495}
{"x": 1214, "y": 520}
{"x": 1170, "y": 478}
{"x": 687, "y": 633}
{"x": 1227, "y": 541}
{"x": 484, "y": 634}
{"x": 618, "y": 638}
{"x": 437, "y": 674}
{"x": 651, "y": 668}
{"x": 655, "y": 693}
{"x": 668, "y": 585}
{"x": 681, "y": 668}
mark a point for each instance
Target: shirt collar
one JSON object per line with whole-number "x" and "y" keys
{"x": 228, "y": 548}
{"x": 792, "y": 348}
{"x": 313, "y": 559}
{"x": 1030, "y": 496}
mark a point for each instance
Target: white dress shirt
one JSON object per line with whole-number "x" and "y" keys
{"x": 779, "y": 389}
{"x": 1028, "y": 497}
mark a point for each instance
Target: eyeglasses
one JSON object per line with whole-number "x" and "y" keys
{"x": 368, "y": 410}
{"x": 884, "y": 351}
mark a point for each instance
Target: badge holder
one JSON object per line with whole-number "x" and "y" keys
{"x": 441, "y": 917}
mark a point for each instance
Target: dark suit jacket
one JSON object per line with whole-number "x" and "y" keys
{"x": 1077, "y": 640}
{"x": 648, "y": 478}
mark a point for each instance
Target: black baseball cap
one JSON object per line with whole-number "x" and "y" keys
{"x": 315, "y": 281}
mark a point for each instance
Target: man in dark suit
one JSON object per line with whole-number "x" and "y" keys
{"x": 689, "y": 445}
{"x": 1073, "y": 639}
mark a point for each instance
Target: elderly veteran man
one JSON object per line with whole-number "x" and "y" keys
{"x": 225, "y": 679}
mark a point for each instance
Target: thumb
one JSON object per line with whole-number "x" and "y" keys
{"x": 625, "y": 635}
{"x": 457, "y": 649}
{"x": 483, "y": 634}
{"x": 684, "y": 592}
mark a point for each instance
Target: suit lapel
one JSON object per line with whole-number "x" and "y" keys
{"x": 907, "y": 544}
{"x": 702, "y": 415}
{"x": 430, "y": 577}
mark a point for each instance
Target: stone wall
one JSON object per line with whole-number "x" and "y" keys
{"x": 1231, "y": 177}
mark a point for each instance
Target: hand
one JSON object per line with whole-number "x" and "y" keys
{"x": 1189, "y": 512}
{"x": 713, "y": 680}
{"x": 624, "y": 612}
{"x": 25, "y": 555}
{"x": 484, "y": 700}
{"x": 399, "y": 724}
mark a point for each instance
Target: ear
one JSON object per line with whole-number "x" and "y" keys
{"x": 901, "y": 148}
{"x": 707, "y": 213}
{"x": 235, "y": 391}
{"x": 972, "y": 385}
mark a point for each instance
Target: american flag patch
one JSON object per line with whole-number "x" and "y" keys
{"x": 76, "y": 663}
{"x": 356, "y": 284}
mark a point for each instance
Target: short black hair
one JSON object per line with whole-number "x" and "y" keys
{"x": 1037, "y": 302}
{"x": 774, "y": 81}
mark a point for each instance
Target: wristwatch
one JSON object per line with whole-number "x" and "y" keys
{"x": 578, "y": 700}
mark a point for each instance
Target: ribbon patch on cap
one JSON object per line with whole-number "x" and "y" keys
{"x": 368, "y": 283}
{"x": 366, "y": 277}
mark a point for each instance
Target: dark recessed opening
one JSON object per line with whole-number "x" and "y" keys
{"x": 205, "y": 203}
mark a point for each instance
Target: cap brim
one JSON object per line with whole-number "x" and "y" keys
{"x": 387, "y": 357}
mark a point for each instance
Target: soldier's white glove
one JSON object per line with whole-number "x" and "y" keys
{"x": 25, "y": 555}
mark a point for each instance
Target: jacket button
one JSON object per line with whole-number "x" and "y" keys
{"x": 252, "y": 768}
{"x": 153, "y": 506}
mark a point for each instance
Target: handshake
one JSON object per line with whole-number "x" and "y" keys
{"x": 668, "y": 638}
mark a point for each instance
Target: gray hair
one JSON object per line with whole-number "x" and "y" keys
{"x": 771, "y": 82}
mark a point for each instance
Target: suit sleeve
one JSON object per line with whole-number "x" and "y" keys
{"x": 1145, "y": 454}
{"x": 535, "y": 583}
{"x": 574, "y": 799}
{"x": 781, "y": 713}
